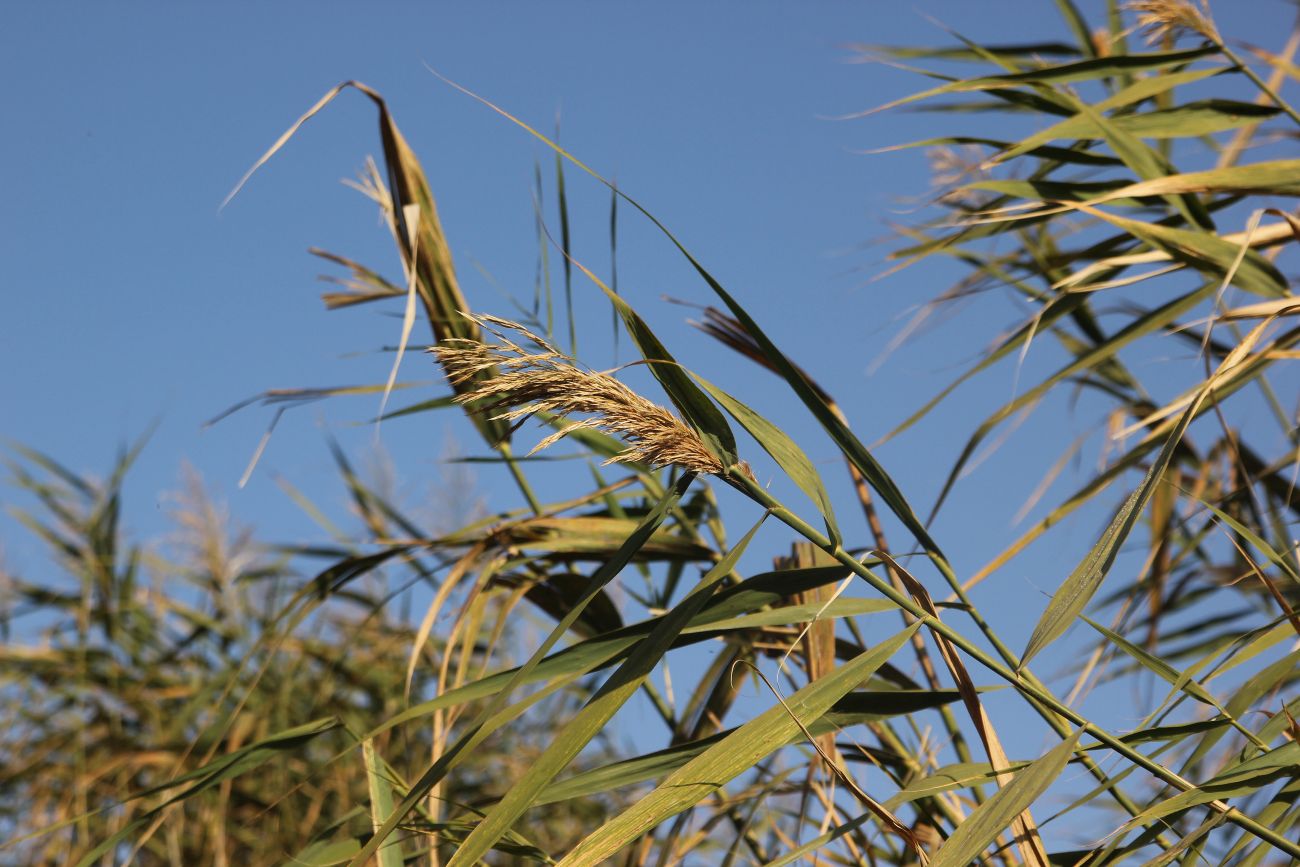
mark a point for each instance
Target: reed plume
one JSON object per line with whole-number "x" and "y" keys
{"x": 544, "y": 379}
{"x": 1161, "y": 18}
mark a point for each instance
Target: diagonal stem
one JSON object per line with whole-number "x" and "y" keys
{"x": 1027, "y": 685}
{"x": 1258, "y": 82}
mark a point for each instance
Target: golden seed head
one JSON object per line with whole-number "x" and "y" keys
{"x": 543, "y": 379}
{"x": 1161, "y": 18}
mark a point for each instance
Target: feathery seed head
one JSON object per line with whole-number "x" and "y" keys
{"x": 1161, "y": 18}
{"x": 543, "y": 379}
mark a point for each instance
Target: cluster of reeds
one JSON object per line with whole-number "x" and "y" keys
{"x": 254, "y": 713}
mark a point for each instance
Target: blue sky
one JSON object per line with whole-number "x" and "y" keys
{"x": 132, "y": 300}
{"x": 129, "y": 299}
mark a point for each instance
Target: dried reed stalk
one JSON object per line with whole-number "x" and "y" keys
{"x": 546, "y": 380}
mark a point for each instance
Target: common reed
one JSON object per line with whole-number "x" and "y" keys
{"x": 544, "y": 379}
{"x": 1183, "y": 569}
{"x": 1161, "y": 19}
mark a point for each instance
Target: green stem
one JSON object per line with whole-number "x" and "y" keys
{"x": 1028, "y": 686}
{"x": 1258, "y": 82}
{"x": 1057, "y": 724}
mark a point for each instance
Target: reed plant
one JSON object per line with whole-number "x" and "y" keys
{"x": 223, "y": 704}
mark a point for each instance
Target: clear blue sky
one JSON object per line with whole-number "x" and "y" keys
{"x": 129, "y": 299}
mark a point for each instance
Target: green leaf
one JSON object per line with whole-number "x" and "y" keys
{"x": 1077, "y": 590}
{"x": 856, "y": 707}
{"x": 788, "y": 614}
{"x": 1057, "y": 191}
{"x": 1274, "y": 556}
{"x": 732, "y": 756}
{"x": 1242, "y": 374}
{"x": 726, "y": 610}
{"x": 1147, "y": 162}
{"x": 1046, "y": 152}
{"x": 381, "y": 802}
{"x": 960, "y": 775}
{"x": 1156, "y": 665}
{"x": 496, "y": 713}
{"x": 1175, "y": 732}
{"x": 696, "y": 409}
{"x": 1258, "y": 685}
{"x": 1205, "y": 252}
{"x": 1243, "y": 778}
{"x": 1195, "y": 119}
{"x": 784, "y": 451}
{"x": 1083, "y": 70}
{"x": 994, "y": 816}
{"x": 1275, "y": 178}
{"x": 1104, "y": 67}
{"x": 324, "y": 854}
{"x": 590, "y": 538}
{"x": 1082, "y": 126}
{"x": 943, "y": 52}
{"x": 613, "y": 694}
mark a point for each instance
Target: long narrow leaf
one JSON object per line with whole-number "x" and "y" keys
{"x": 732, "y": 756}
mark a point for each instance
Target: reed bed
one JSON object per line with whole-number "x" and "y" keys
{"x": 216, "y": 700}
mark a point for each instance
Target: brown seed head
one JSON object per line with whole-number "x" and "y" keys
{"x": 543, "y": 379}
{"x": 1161, "y": 18}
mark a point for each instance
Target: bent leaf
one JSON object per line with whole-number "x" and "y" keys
{"x": 784, "y": 451}
{"x": 991, "y": 818}
{"x": 733, "y": 755}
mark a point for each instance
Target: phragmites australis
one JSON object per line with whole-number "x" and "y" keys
{"x": 1169, "y": 18}
{"x": 543, "y": 379}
